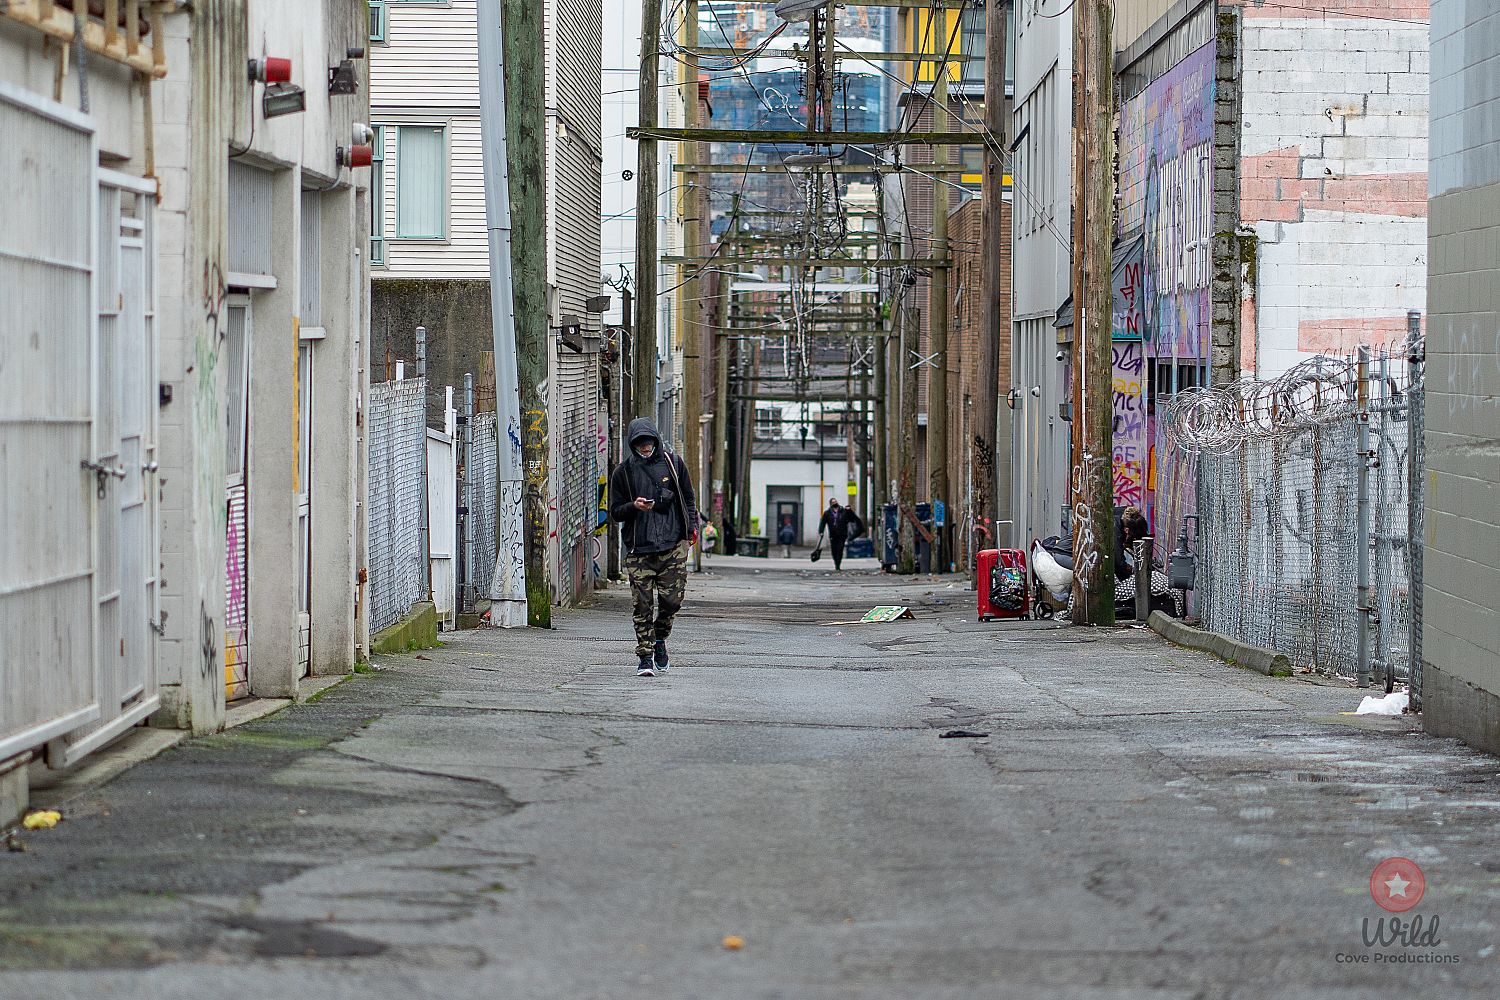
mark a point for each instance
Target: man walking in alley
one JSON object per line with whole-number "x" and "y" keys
{"x": 652, "y": 497}
{"x": 839, "y": 521}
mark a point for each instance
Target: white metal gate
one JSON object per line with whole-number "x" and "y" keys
{"x": 48, "y": 677}
{"x": 125, "y": 429}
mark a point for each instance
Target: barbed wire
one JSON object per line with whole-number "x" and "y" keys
{"x": 1312, "y": 393}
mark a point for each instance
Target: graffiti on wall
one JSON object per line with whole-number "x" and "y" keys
{"x": 1128, "y": 292}
{"x": 1129, "y": 464}
{"x": 1167, "y": 188}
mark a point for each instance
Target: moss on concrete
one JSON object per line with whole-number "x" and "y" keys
{"x": 418, "y": 630}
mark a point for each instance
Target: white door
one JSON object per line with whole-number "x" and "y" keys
{"x": 48, "y": 205}
{"x": 126, "y": 409}
{"x": 303, "y": 490}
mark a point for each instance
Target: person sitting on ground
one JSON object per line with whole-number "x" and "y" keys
{"x": 1130, "y": 528}
{"x": 652, "y": 498}
{"x": 786, "y": 536}
{"x": 840, "y": 522}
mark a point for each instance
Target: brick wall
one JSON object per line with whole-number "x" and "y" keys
{"x": 1461, "y": 605}
{"x": 1333, "y": 177}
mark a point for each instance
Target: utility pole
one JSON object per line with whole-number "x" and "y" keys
{"x": 878, "y": 475}
{"x": 937, "y": 309}
{"x": 507, "y": 594}
{"x": 1093, "y": 415}
{"x": 720, "y": 435}
{"x": 623, "y": 414}
{"x": 986, "y": 405}
{"x": 695, "y": 205}
{"x": 750, "y": 352}
{"x": 526, "y": 141}
{"x": 906, "y": 432}
{"x": 645, "y": 214}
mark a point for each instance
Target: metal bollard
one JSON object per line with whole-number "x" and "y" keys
{"x": 1143, "y": 549}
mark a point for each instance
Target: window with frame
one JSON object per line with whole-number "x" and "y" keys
{"x": 378, "y": 23}
{"x": 421, "y": 182}
{"x": 377, "y": 197}
{"x": 768, "y": 422}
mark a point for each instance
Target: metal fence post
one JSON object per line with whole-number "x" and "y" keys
{"x": 465, "y": 481}
{"x": 1416, "y": 464}
{"x": 1362, "y": 520}
{"x": 1143, "y": 550}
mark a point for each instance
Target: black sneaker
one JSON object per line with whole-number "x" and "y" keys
{"x": 646, "y": 668}
{"x": 660, "y": 656}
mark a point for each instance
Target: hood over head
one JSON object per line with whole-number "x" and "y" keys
{"x": 643, "y": 427}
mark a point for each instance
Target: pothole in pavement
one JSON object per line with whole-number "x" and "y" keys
{"x": 302, "y": 939}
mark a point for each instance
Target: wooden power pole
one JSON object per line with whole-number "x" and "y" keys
{"x": 526, "y": 127}
{"x": 1093, "y": 415}
{"x": 937, "y": 309}
{"x": 986, "y": 408}
{"x": 644, "y": 358}
{"x": 695, "y": 205}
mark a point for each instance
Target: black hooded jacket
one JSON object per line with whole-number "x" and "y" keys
{"x": 664, "y": 478}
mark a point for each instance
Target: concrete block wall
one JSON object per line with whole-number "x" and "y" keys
{"x": 1461, "y": 620}
{"x": 1333, "y": 177}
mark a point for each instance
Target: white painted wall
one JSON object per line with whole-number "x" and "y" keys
{"x": 802, "y": 475}
{"x": 1041, "y": 221}
{"x": 1334, "y": 164}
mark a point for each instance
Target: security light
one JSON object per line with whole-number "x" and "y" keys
{"x": 598, "y": 303}
{"x": 283, "y": 99}
{"x": 342, "y": 79}
{"x": 799, "y": 10}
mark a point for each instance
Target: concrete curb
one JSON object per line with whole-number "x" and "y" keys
{"x": 418, "y": 630}
{"x": 52, "y": 790}
{"x": 1241, "y": 654}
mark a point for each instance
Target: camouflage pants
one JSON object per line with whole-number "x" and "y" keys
{"x": 659, "y": 579}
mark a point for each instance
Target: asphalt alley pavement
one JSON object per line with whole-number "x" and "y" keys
{"x": 517, "y": 815}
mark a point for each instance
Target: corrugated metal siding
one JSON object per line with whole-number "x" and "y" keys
{"x": 577, "y": 54}
{"x": 311, "y": 286}
{"x": 250, "y": 239}
{"x": 574, "y": 53}
{"x": 576, "y": 246}
{"x": 236, "y": 600}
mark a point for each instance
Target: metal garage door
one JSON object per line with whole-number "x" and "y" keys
{"x": 48, "y": 682}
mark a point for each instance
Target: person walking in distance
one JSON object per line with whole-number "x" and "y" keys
{"x": 839, "y": 521}
{"x": 652, "y": 498}
{"x": 787, "y": 536}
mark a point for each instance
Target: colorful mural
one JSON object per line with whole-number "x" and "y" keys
{"x": 1166, "y": 184}
{"x": 1129, "y": 424}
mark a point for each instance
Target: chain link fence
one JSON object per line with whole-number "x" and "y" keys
{"x": 1309, "y": 532}
{"x": 479, "y": 485}
{"x": 397, "y": 499}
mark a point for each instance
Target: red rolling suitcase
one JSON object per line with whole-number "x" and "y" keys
{"x": 1003, "y": 590}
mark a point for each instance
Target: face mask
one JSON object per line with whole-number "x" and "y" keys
{"x": 646, "y": 450}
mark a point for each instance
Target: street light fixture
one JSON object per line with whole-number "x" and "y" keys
{"x": 799, "y": 10}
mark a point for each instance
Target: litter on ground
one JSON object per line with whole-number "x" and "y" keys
{"x": 43, "y": 819}
{"x": 1392, "y": 704}
{"x": 878, "y": 614}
